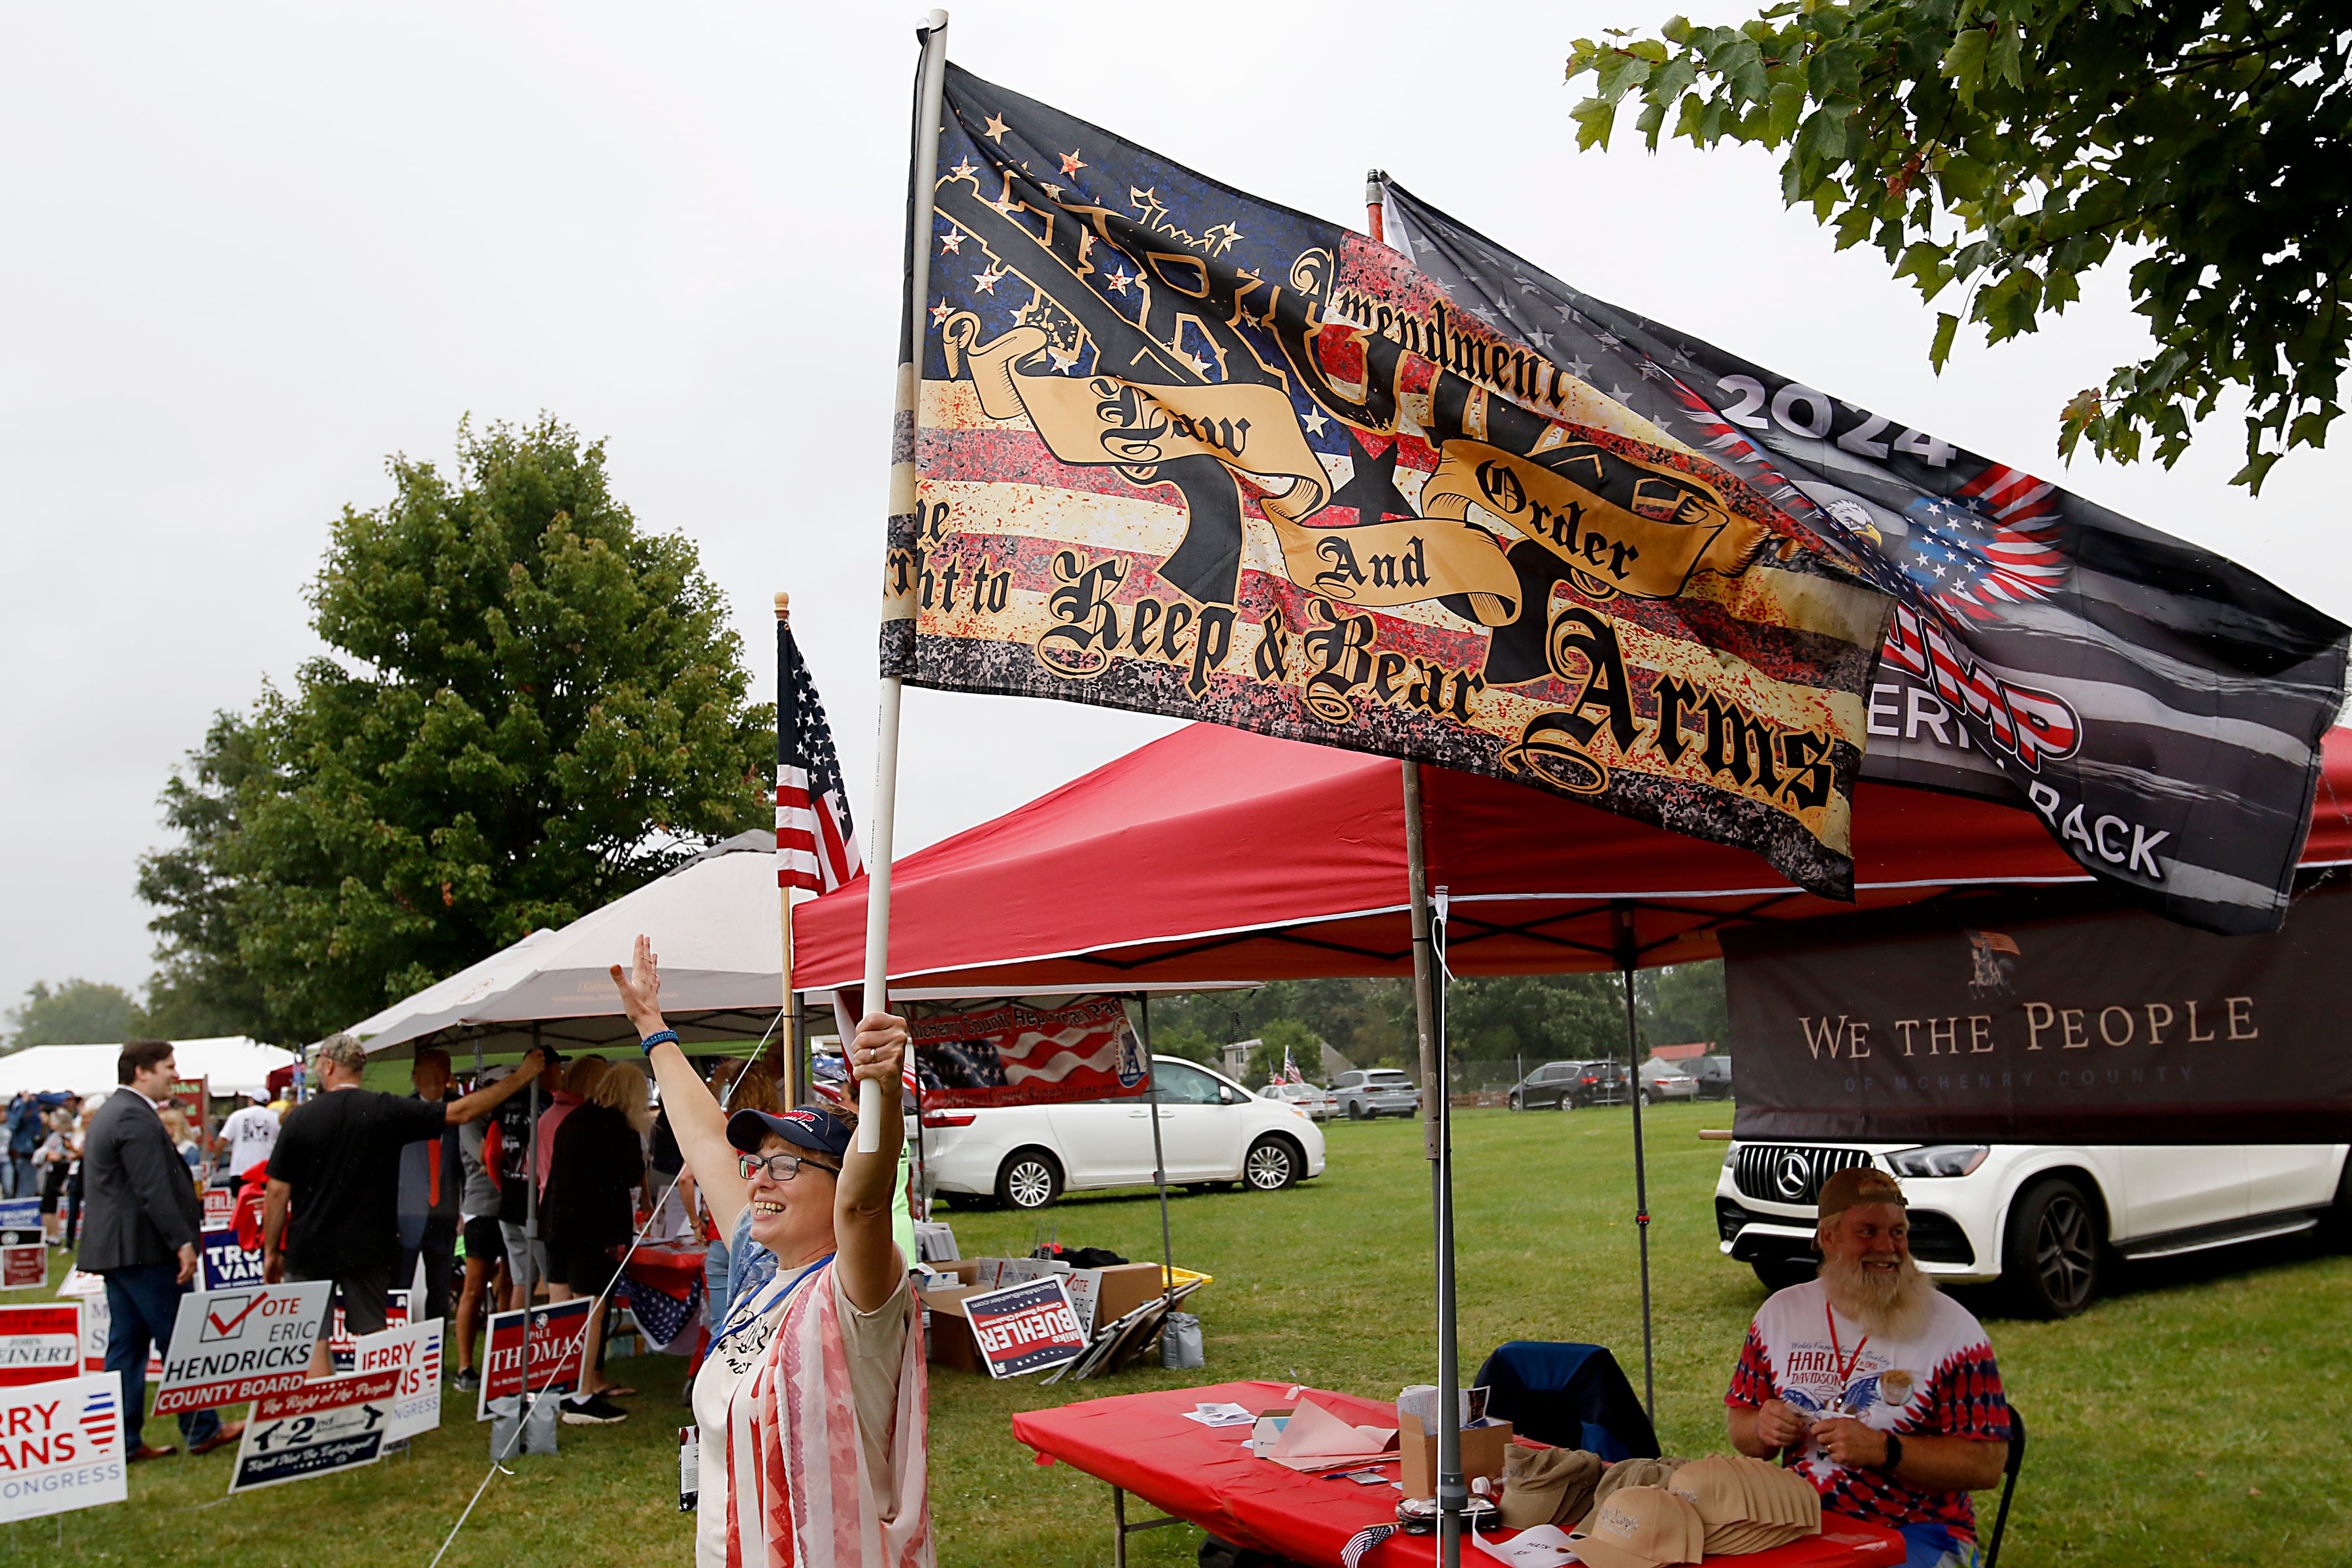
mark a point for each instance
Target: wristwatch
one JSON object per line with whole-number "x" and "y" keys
{"x": 1894, "y": 1455}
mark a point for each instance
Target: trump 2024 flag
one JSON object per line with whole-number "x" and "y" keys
{"x": 1156, "y": 466}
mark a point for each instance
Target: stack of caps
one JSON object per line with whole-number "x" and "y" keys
{"x": 1640, "y": 1527}
{"x": 1747, "y": 1505}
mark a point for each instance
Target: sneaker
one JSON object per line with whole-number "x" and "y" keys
{"x": 594, "y": 1411}
{"x": 468, "y": 1380}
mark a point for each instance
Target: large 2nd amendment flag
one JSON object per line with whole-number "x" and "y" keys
{"x": 2160, "y": 709}
{"x": 1153, "y": 463}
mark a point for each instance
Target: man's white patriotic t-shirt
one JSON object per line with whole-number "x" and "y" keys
{"x": 1942, "y": 1383}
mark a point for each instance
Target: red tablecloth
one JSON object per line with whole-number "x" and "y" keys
{"x": 1142, "y": 1443}
{"x": 670, "y": 1269}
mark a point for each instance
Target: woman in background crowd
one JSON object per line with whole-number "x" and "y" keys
{"x": 49, "y": 1164}
{"x": 486, "y": 1244}
{"x": 597, "y": 1170}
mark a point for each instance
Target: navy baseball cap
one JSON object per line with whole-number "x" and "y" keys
{"x": 811, "y": 1127}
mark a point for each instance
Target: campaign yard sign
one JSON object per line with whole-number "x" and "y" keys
{"x": 220, "y": 1208}
{"x": 315, "y": 1429}
{"x": 89, "y": 1290}
{"x": 227, "y": 1265}
{"x": 229, "y": 1346}
{"x": 414, "y": 1352}
{"x": 61, "y": 1445}
{"x": 21, "y": 1215}
{"x": 559, "y": 1342}
{"x": 24, "y": 1268}
{"x": 40, "y": 1343}
{"x": 396, "y": 1305}
{"x": 1025, "y": 1328}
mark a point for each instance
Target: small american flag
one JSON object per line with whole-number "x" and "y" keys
{"x": 816, "y": 845}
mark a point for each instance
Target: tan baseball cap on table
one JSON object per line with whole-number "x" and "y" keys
{"x": 1858, "y": 1184}
{"x": 1640, "y": 1527}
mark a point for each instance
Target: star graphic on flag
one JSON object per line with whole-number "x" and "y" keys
{"x": 1541, "y": 340}
{"x": 1063, "y": 359}
{"x": 986, "y": 282}
{"x": 1565, "y": 313}
{"x": 1581, "y": 369}
{"x": 964, "y": 171}
{"x": 1372, "y": 488}
{"x": 1619, "y": 393}
{"x": 950, "y": 243}
{"x": 1070, "y": 163}
{"x": 1483, "y": 313}
{"x": 1054, "y": 192}
{"x": 942, "y": 311}
{"x": 1314, "y": 422}
{"x": 995, "y": 129}
{"x": 1199, "y": 366}
{"x": 1120, "y": 280}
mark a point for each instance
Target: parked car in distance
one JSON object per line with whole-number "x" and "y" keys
{"x": 1366, "y": 1093}
{"x": 1566, "y": 1086}
{"x": 1213, "y": 1132}
{"x": 1713, "y": 1073}
{"x": 1312, "y": 1099}
{"x": 1667, "y": 1080}
{"x": 2049, "y": 1222}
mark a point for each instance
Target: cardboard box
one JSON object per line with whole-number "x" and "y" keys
{"x": 1103, "y": 1296}
{"x": 948, "y": 1339}
{"x": 1484, "y": 1449}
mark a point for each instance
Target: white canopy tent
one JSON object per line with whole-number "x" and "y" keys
{"x": 230, "y": 1064}
{"x": 716, "y": 921}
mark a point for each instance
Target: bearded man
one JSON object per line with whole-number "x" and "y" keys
{"x": 1874, "y": 1386}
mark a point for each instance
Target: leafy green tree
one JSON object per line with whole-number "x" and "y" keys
{"x": 74, "y": 1012}
{"x": 1541, "y": 1017}
{"x": 2010, "y": 146}
{"x": 533, "y": 707}
{"x": 1304, "y": 1046}
{"x": 1682, "y": 1004}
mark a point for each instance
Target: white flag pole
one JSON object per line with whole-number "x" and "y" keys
{"x": 933, "y": 31}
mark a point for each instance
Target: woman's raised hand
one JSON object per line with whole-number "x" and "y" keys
{"x": 640, "y": 987}
{"x": 879, "y": 1049}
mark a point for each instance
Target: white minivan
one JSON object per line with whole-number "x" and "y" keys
{"x": 1212, "y": 1132}
{"x": 2047, "y": 1219}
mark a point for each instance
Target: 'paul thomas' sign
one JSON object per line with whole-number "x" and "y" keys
{"x": 2020, "y": 1021}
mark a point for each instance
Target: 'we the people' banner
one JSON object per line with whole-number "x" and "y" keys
{"x": 1011, "y": 1054}
{"x": 335, "y": 1424}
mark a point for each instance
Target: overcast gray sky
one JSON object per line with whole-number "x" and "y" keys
{"x": 254, "y": 248}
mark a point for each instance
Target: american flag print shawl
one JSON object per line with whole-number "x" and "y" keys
{"x": 799, "y": 1490}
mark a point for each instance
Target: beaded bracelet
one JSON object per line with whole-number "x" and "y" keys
{"x": 656, "y": 1038}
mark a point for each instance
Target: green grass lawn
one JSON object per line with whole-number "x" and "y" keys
{"x": 2199, "y": 1415}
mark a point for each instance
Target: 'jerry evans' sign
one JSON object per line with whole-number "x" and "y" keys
{"x": 2021, "y": 1021}
{"x": 228, "y": 1346}
{"x": 61, "y": 1445}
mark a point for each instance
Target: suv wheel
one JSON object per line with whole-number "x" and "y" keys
{"x": 1567, "y": 1101}
{"x": 2051, "y": 1257}
{"x": 1029, "y": 1179}
{"x": 1515, "y": 1102}
{"x": 1270, "y": 1164}
{"x": 1356, "y": 1111}
{"x": 1779, "y": 1273}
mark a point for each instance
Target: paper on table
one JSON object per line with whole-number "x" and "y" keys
{"x": 1541, "y": 1547}
{"x": 1315, "y": 1439}
{"x": 1219, "y": 1415}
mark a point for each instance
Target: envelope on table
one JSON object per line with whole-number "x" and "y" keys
{"x": 1316, "y": 1439}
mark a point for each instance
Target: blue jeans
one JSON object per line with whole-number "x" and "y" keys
{"x": 141, "y": 1304}
{"x": 20, "y": 1177}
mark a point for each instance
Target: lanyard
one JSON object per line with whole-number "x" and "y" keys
{"x": 1845, "y": 1373}
{"x": 765, "y": 1299}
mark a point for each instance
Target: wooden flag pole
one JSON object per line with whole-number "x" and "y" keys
{"x": 795, "y": 1089}
{"x": 933, "y": 31}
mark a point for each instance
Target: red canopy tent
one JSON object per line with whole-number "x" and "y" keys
{"x": 1214, "y": 854}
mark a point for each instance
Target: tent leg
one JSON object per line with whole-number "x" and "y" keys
{"x": 1627, "y": 952}
{"x": 1158, "y": 1174}
{"x": 1428, "y": 999}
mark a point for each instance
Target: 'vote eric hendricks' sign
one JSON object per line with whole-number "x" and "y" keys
{"x": 61, "y": 1445}
{"x": 228, "y": 1346}
{"x": 1025, "y": 1328}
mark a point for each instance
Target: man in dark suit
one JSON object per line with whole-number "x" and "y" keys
{"x": 141, "y": 1232}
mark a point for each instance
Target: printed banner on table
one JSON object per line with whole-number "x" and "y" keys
{"x": 559, "y": 1346}
{"x": 62, "y": 1445}
{"x": 228, "y": 1346}
{"x": 335, "y": 1424}
{"x": 40, "y": 1343}
{"x": 227, "y": 1265}
{"x": 1169, "y": 448}
{"x": 2033, "y": 1020}
{"x": 2158, "y": 706}
{"x": 397, "y": 1307}
{"x": 414, "y": 1351}
{"x": 1012, "y": 1054}
{"x": 24, "y": 1266}
{"x": 1025, "y": 1328}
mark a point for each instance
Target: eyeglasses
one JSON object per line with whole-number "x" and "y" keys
{"x": 780, "y": 1167}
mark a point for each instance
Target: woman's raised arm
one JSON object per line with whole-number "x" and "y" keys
{"x": 695, "y": 1119}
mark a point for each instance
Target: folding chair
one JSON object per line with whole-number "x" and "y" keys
{"x": 2007, "y": 1485}
{"x": 1570, "y": 1395}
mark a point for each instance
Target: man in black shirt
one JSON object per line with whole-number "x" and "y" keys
{"x": 337, "y": 1165}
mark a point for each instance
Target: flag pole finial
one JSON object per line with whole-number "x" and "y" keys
{"x": 783, "y": 606}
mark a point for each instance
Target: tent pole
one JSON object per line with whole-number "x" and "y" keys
{"x": 1428, "y": 1000}
{"x": 1622, "y": 918}
{"x": 930, "y": 89}
{"x": 1159, "y": 1169}
{"x": 530, "y": 1228}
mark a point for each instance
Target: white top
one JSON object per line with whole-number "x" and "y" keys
{"x": 250, "y": 1134}
{"x": 876, "y": 1341}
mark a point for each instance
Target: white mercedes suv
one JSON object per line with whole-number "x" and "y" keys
{"x": 1213, "y": 1132}
{"x": 2046, "y": 1219}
